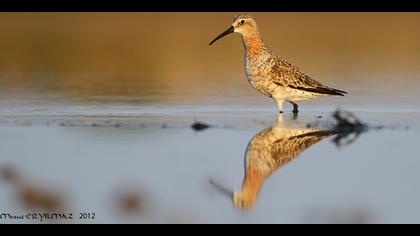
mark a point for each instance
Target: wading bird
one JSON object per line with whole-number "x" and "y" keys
{"x": 272, "y": 76}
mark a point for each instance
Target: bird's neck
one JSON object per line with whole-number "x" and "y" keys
{"x": 253, "y": 43}
{"x": 252, "y": 183}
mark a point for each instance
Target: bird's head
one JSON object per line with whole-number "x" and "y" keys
{"x": 244, "y": 199}
{"x": 242, "y": 24}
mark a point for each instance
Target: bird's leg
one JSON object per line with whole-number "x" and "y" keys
{"x": 295, "y": 107}
{"x": 280, "y": 105}
{"x": 279, "y": 118}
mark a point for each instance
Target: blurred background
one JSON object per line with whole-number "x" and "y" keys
{"x": 164, "y": 58}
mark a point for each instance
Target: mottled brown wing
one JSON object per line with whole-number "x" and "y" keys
{"x": 285, "y": 150}
{"x": 288, "y": 75}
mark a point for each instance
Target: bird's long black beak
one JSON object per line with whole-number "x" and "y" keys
{"x": 228, "y": 31}
{"x": 223, "y": 190}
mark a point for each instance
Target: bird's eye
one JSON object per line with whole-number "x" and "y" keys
{"x": 242, "y": 21}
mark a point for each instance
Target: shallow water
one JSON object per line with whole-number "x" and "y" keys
{"x": 373, "y": 179}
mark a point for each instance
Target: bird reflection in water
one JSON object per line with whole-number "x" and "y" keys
{"x": 269, "y": 150}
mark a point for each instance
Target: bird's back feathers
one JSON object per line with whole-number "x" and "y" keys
{"x": 288, "y": 75}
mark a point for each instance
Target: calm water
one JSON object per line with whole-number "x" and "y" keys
{"x": 105, "y": 124}
{"x": 374, "y": 179}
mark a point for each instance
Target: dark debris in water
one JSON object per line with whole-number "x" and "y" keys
{"x": 347, "y": 121}
{"x": 346, "y": 125}
{"x": 348, "y": 128}
{"x": 198, "y": 126}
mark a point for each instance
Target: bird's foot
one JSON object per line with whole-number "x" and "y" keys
{"x": 295, "y": 108}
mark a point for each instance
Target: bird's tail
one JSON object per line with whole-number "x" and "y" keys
{"x": 321, "y": 90}
{"x": 329, "y": 91}
{"x": 337, "y": 92}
